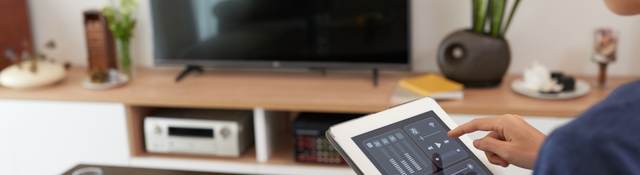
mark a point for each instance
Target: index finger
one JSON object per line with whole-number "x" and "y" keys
{"x": 480, "y": 124}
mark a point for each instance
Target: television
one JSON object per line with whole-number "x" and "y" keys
{"x": 324, "y": 34}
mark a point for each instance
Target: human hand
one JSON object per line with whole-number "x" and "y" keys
{"x": 511, "y": 139}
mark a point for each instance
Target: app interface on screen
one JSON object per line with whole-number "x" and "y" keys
{"x": 419, "y": 145}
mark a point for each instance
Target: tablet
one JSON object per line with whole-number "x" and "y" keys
{"x": 408, "y": 139}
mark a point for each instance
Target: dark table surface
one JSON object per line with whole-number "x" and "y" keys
{"x": 114, "y": 170}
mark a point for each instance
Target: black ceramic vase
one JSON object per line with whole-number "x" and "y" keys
{"x": 474, "y": 60}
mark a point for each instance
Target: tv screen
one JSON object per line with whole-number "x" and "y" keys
{"x": 282, "y": 33}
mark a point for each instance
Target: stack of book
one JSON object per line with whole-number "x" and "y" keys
{"x": 430, "y": 85}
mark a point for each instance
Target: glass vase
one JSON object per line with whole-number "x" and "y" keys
{"x": 125, "y": 65}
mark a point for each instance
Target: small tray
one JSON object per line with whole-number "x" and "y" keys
{"x": 116, "y": 79}
{"x": 582, "y": 89}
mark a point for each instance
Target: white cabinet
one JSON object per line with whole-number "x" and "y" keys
{"x": 46, "y": 138}
{"x": 6, "y": 152}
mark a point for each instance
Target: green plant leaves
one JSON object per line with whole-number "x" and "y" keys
{"x": 497, "y": 14}
{"x": 514, "y": 8}
{"x": 127, "y": 7}
{"x": 121, "y": 21}
{"x": 488, "y": 17}
{"x": 479, "y": 15}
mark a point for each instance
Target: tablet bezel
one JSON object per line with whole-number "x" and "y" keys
{"x": 343, "y": 133}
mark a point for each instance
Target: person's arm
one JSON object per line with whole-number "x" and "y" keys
{"x": 570, "y": 151}
{"x": 511, "y": 140}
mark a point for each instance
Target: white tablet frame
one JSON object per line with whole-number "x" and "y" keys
{"x": 343, "y": 133}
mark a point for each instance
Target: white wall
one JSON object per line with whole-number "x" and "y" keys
{"x": 555, "y": 32}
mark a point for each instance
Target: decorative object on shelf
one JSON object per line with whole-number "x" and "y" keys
{"x": 121, "y": 22}
{"x": 480, "y": 56}
{"x": 105, "y": 80}
{"x": 103, "y": 73}
{"x": 88, "y": 171}
{"x": 538, "y": 82}
{"x": 429, "y": 85}
{"x": 311, "y": 146}
{"x": 604, "y": 52}
{"x": 31, "y": 70}
{"x": 16, "y": 27}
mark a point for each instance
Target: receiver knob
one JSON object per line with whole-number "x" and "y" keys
{"x": 225, "y": 132}
{"x": 157, "y": 130}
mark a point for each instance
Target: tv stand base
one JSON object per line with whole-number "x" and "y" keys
{"x": 188, "y": 69}
{"x": 375, "y": 77}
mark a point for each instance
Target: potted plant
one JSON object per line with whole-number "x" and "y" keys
{"x": 479, "y": 56}
{"x": 121, "y": 23}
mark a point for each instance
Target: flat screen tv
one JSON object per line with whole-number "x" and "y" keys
{"x": 344, "y": 34}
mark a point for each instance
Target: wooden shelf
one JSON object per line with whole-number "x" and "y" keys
{"x": 273, "y": 95}
{"x": 283, "y": 155}
{"x": 290, "y": 91}
{"x": 249, "y": 156}
{"x": 296, "y": 91}
{"x": 281, "y": 160}
{"x": 502, "y": 100}
{"x": 283, "y": 149}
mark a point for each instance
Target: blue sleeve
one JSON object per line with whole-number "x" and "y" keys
{"x": 563, "y": 155}
{"x": 574, "y": 153}
{"x": 603, "y": 140}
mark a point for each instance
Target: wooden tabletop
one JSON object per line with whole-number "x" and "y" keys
{"x": 294, "y": 91}
{"x": 502, "y": 100}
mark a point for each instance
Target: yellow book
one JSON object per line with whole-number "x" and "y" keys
{"x": 429, "y": 85}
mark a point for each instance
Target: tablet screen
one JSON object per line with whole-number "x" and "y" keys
{"x": 419, "y": 145}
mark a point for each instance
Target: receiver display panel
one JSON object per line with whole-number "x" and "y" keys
{"x": 419, "y": 145}
{"x": 191, "y": 132}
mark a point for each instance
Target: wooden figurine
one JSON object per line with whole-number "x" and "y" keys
{"x": 605, "y": 49}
